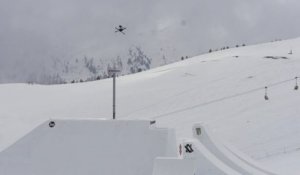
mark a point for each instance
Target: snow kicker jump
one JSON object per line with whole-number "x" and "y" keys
{"x": 114, "y": 147}
{"x": 204, "y": 154}
{"x": 93, "y": 147}
{"x": 230, "y": 156}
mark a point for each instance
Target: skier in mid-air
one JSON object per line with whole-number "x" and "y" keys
{"x": 120, "y": 29}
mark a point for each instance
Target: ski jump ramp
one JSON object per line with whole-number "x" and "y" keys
{"x": 119, "y": 147}
{"x": 88, "y": 147}
{"x": 230, "y": 156}
{"x": 208, "y": 156}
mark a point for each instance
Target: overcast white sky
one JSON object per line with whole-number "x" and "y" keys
{"x": 32, "y": 31}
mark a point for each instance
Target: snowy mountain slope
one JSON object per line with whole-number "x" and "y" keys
{"x": 81, "y": 67}
{"x": 224, "y": 89}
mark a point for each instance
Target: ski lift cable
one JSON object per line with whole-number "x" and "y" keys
{"x": 206, "y": 103}
{"x": 163, "y": 100}
{"x": 221, "y": 99}
{"x": 212, "y": 101}
{"x": 281, "y": 82}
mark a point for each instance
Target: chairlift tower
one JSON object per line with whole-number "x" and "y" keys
{"x": 114, "y": 72}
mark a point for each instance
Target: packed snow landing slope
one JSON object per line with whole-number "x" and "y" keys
{"x": 223, "y": 89}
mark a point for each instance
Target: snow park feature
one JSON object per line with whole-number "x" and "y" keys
{"x": 224, "y": 89}
{"x": 230, "y": 157}
{"x": 113, "y": 147}
{"x": 204, "y": 154}
{"x": 91, "y": 147}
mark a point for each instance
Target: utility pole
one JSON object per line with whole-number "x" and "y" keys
{"x": 113, "y": 72}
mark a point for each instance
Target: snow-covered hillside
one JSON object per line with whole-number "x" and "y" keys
{"x": 224, "y": 89}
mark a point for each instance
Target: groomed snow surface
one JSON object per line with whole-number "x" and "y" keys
{"x": 127, "y": 147}
{"x": 224, "y": 90}
{"x": 78, "y": 147}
